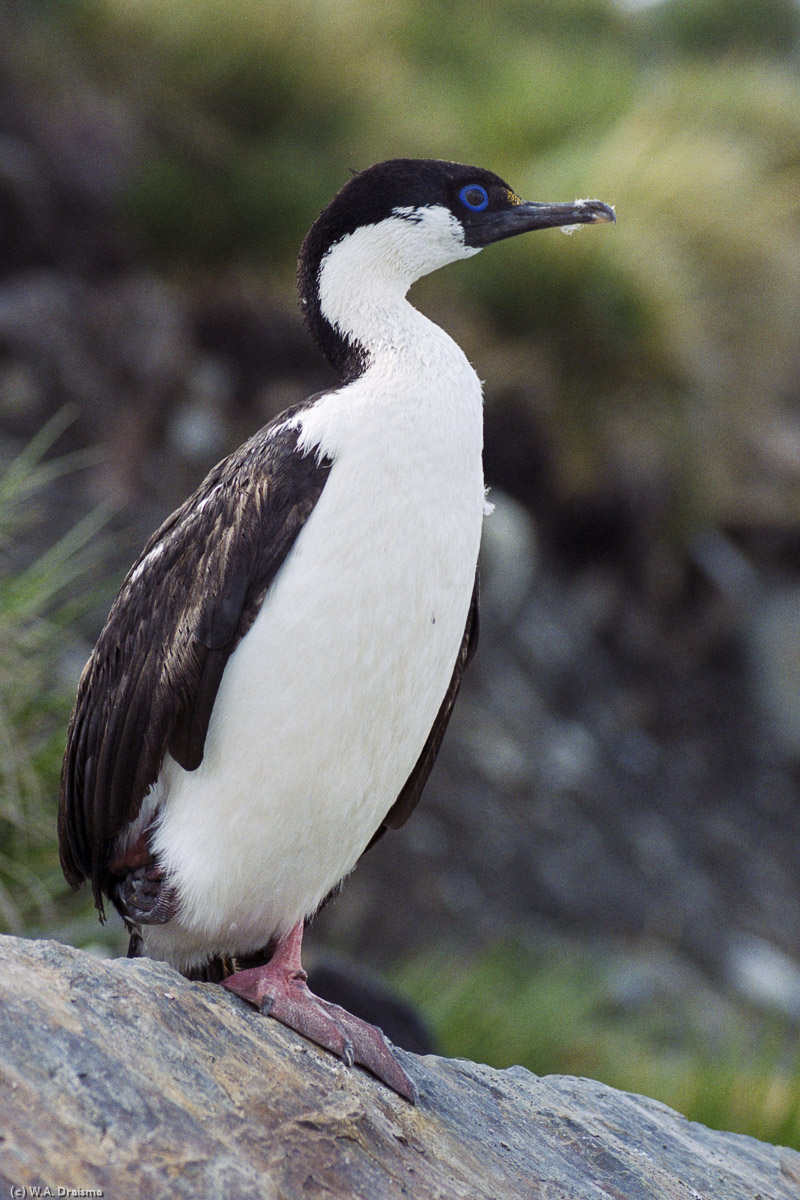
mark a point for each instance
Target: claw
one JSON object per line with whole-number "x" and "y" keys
{"x": 146, "y": 897}
{"x": 373, "y": 1051}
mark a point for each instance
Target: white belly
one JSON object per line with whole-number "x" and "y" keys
{"x": 327, "y": 702}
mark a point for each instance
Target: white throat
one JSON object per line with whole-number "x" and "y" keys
{"x": 364, "y": 277}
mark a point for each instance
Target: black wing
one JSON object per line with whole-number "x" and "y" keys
{"x": 150, "y": 684}
{"x": 408, "y": 799}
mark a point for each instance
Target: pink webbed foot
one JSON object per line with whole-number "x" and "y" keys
{"x": 279, "y": 990}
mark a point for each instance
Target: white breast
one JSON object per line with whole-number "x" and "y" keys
{"x": 327, "y": 702}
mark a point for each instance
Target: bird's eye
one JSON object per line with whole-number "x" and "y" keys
{"x": 474, "y": 196}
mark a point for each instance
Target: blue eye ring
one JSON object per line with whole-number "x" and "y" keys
{"x": 467, "y": 197}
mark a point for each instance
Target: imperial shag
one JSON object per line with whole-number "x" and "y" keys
{"x": 272, "y": 685}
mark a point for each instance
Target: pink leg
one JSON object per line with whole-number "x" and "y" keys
{"x": 279, "y": 990}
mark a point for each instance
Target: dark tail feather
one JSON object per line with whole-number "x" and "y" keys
{"x": 213, "y": 971}
{"x": 135, "y": 945}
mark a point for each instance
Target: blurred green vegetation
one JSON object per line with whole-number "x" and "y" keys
{"x": 36, "y": 692}
{"x": 729, "y": 1069}
{"x": 665, "y": 347}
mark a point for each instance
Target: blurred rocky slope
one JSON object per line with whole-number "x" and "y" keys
{"x": 623, "y": 761}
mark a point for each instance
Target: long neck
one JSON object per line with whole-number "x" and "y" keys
{"x": 351, "y": 298}
{"x": 346, "y": 355}
{"x": 353, "y": 292}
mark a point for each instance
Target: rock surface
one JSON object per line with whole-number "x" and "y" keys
{"x": 121, "y": 1076}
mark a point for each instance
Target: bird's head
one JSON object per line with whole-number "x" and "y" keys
{"x": 401, "y": 219}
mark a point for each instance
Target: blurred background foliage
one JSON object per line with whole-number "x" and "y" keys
{"x": 673, "y": 345}
{"x": 654, "y": 366}
{"x": 36, "y": 618}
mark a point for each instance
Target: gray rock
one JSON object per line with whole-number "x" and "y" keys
{"x": 121, "y": 1075}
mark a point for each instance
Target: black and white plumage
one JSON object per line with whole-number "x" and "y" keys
{"x": 275, "y": 677}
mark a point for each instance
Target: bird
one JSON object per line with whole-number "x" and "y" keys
{"x": 270, "y": 690}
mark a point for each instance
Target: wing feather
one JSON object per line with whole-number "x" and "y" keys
{"x": 150, "y": 684}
